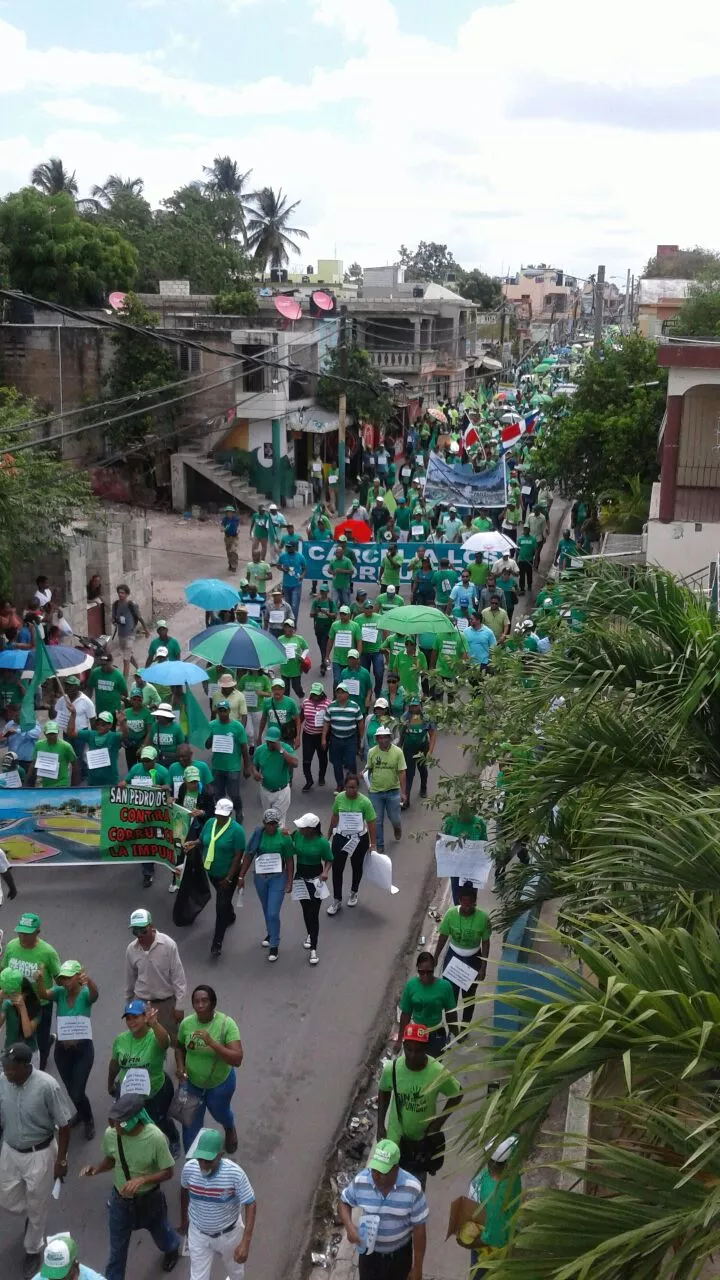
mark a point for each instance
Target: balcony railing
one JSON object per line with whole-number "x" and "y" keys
{"x": 396, "y": 359}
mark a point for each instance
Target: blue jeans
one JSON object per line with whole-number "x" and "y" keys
{"x": 343, "y": 757}
{"x": 121, "y": 1218}
{"x": 343, "y": 597}
{"x": 217, "y": 1100}
{"x": 292, "y": 595}
{"x": 385, "y": 802}
{"x": 337, "y": 668}
{"x": 270, "y": 890}
{"x": 375, "y": 662}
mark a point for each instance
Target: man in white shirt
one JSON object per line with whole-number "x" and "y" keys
{"x": 43, "y": 594}
{"x": 74, "y": 700}
{"x": 154, "y": 971}
{"x": 505, "y": 561}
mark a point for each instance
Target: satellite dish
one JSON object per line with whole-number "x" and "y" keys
{"x": 117, "y": 301}
{"x": 287, "y": 307}
{"x": 323, "y": 301}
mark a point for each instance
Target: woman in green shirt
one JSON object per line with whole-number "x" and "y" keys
{"x": 222, "y": 845}
{"x": 208, "y": 1051}
{"x": 20, "y": 1010}
{"x": 467, "y": 929}
{"x": 394, "y": 694}
{"x": 138, "y": 1056}
{"x": 380, "y": 715}
{"x": 499, "y": 1197}
{"x": 73, "y": 995}
{"x": 272, "y": 854}
{"x": 425, "y": 999}
{"x": 352, "y": 831}
{"x": 313, "y": 860}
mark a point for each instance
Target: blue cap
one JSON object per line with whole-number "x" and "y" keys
{"x": 134, "y": 1006}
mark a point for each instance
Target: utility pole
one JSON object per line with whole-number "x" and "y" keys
{"x": 599, "y": 302}
{"x": 626, "y": 317}
{"x": 275, "y": 466}
{"x": 342, "y": 410}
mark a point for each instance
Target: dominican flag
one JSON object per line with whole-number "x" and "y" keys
{"x": 471, "y": 436}
{"x": 514, "y": 430}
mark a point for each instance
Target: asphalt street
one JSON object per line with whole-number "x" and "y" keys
{"x": 306, "y": 1031}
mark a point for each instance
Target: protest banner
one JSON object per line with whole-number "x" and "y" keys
{"x": 369, "y": 556}
{"x": 463, "y": 487}
{"x": 91, "y": 826}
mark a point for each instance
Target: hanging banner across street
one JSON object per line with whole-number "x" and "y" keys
{"x": 369, "y": 556}
{"x": 463, "y": 487}
{"x": 88, "y": 825}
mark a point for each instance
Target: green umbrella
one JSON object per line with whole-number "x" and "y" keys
{"x": 412, "y": 619}
{"x": 236, "y": 645}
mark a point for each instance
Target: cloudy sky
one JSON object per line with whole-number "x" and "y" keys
{"x": 516, "y": 132}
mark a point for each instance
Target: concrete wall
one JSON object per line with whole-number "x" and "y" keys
{"x": 682, "y": 547}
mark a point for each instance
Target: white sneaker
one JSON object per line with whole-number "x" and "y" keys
{"x": 352, "y": 900}
{"x": 174, "y": 885}
{"x": 334, "y": 907}
{"x": 314, "y": 958}
{"x": 306, "y": 943}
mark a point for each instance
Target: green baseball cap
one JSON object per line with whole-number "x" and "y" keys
{"x": 148, "y": 753}
{"x": 136, "y": 692}
{"x": 11, "y": 981}
{"x": 272, "y": 734}
{"x": 69, "y": 969}
{"x": 28, "y": 923}
{"x": 59, "y": 1255}
{"x": 317, "y": 688}
{"x": 160, "y": 623}
{"x": 51, "y": 726}
{"x": 222, "y": 704}
{"x": 72, "y": 680}
{"x": 385, "y": 1156}
{"x": 208, "y": 1144}
{"x": 191, "y": 774}
{"x": 106, "y": 717}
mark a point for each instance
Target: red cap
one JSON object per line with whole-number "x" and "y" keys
{"x": 417, "y": 1032}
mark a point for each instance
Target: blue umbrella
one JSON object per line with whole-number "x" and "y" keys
{"x": 64, "y": 660}
{"x": 170, "y": 673}
{"x": 211, "y": 593}
{"x": 235, "y": 645}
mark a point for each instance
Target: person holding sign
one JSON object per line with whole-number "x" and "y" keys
{"x": 426, "y": 999}
{"x": 357, "y": 681}
{"x": 352, "y": 831}
{"x": 313, "y": 859}
{"x": 345, "y": 634}
{"x": 296, "y": 649}
{"x": 276, "y": 612}
{"x": 73, "y": 995}
{"x": 272, "y": 856}
{"x": 256, "y": 689}
{"x": 372, "y": 658}
{"x": 222, "y": 844}
{"x": 102, "y": 747}
{"x": 208, "y": 1051}
{"x": 54, "y": 762}
{"x": 137, "y": 1066}
{"x": 467, "y": 929}
{"x": 227, "y": 741}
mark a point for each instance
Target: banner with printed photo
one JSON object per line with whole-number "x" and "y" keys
{"x": 463, "y": 487}
{"x": 87, "y": 825}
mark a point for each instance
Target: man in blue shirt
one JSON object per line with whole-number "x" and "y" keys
{"x": 294, "y": 568}
{"x": 394, "y": 1211}
{"x": 214, "y": 1192}
{"x": 230, "y": 524}
{"x": 464, "y": 593}
{"x": 21, "y": 741}
{"x": 479, "y": 640}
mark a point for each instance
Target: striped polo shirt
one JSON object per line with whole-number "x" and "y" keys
{"x": 215, "y": 1201}
{"x": 399, "y": 1211}
{"x": 343, "y": 720}
{"x": 310, "y": 710}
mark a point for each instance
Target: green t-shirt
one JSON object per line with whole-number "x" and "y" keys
{"x": 479, "y": 570}
{"x": 500, "y": 1200}
{"x": 294, "y": 647}
{"x": 450, "y": 651}
{"x": 372, "y": 724}
{"x": 26, "y": 959}
{"x": 172, "y": 646}
{"x": 150, "y": 696}
{"x": 323, "y": 613}
{"x": 364, "y": 682}
{"x": 258, "y": 574}
{"x": 256, "y": 688}
{"x": 341, "y": 570}
{"x": 418, "y": 1092}
{"x": 360, "y": 804}
{"x": 66, "y": 757}
{"x": 385, "y": 767}
{"x": 344, "y": 628}
{"x": 204, "y": 1069}
{"x": 147, "y": 1151}
{"x": 467, "y": 931}
{"x": 166, "y": 737}
{"x": 274, "y": 772}
{"x": 402, "y": 516}
{"x": 280, "y": 711}
{"x": 526, "y": 547}
{"x": 109, "y": 688}
{"x": 226, "y": 761}
{"x": 176, "y": 771}
{"x": 309, "y": 852}
{"x": 426, "y": 1002}
{"x": 390, "y": 570}
{"x": 82, "y": 1008}
{"x": 482, "y": 524}
{"x": 370, "y": 624}
{"x": 105, "y": 774}
{"x": 443, "y": 581}
{"x": 138, "y": 723}
{"x": 409, "y": 670}
{"x": 157, "y": 775}
{"x": 13, "y": 1028}
{"x": 230, "y": 841}
{"x": 275, "y": 844}
{"x": 145, "y": 1051}
{"x": 472, "y": 829}
{"x": 496, "y": 621}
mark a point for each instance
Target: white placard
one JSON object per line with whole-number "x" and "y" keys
{"x": 137, "y": 1080}
{"x": 277, "y": 617}
{"x": 350, "y": 822}
{"x": 290, "y": 652}
{"x": 268, "y": 864}
{"x": 73, "y": 1027}
{"x": 369, "y": 634}
{"x": 98, "y": 759}
{"x": 462, "y": 624}
{"x": 177, "y": 783}
{"x": 251, "y": 698}
{"x": 332, "y": 479}
{"x": 317, "y": 468}
{"x": 62, "y": 715}
{"x": 467, "y": 859}
{"x": 446, "y": 584}
{"x": 370, "y": 1223}
{"x": 377, "y": 869}
{"x": 321, "y": 889}
{"x": 526, "y": 489}
{"x": 343, "y": 640}
{"x": 299, "y": 891}
{"x": 352, "y": 686}
{"x": 406, "y": 471}
{"x": 223, "y": 744}
{"x": 47, "y": 764}
{"x": 417, "y": 530}
{"x": 253, "y": 610}
{"x": 461, "y": 974}
{"x": 143, "y": 780}
{"x": 319, "y": 717}
{"x": 576, "y": 562}
{"x": 10, "y": 780}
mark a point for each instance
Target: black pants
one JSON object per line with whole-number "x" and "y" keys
{"x": 43, "y": 1034}
{"x": 224, "y": 910}
{"x": 296, "y": 683}
{"x": 526, "y": 575}
{"x": 386, "y": 1266}
{"x": 157, "y": 1109}
{"x": 132, "y": 753}
{"x": 412, "y": 765}
{"x": 468, "y": 996}
{"x": 74, "y": 1063}
{"x": 322, "y": 637}
{"x": 312, "y": 746}
{"x": 340, "y": 857}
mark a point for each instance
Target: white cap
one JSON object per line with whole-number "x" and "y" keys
{"x": 140, "y": 918}
{"x": 224, "y": 808}
{"x": 307, "y": 820}
{"x": 161, "y": 652}
{"x": 382, "y": 730}
{"x": 164, "y": 710}
{"x": 273, "y": 506}
{"x": 391, "y": 590}
{"x": 503, "y": 1150}
{"x": 381, "y": 702}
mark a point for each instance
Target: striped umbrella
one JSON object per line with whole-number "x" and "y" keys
{"x": 236, "y": 645}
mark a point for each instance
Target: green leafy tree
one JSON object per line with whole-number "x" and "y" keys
{"x": 478, "y": 287}
{"x": 431, "y": 262}
{"x": 114, "y": 186}
{"x": 40, "y": 496}
{"x": 52, "y": 178}
{"x": 54, "y": 253}
{"x": 367, "y": 396}
{"x": 608, "y": 431}
{"x": 699, "y": 316}
{"x": 140, "y": 363}
{"x": 269, "y": 230}
{"x": 188, "y": 241}
{"x": 354, "y": 274}
{"x": 686, "y": 264}
{"x": 228, "y": 185}
{"x": 237, "y": 302}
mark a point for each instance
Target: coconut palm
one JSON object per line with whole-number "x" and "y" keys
{"x": 52, "y": 178}
{"x": 115, "y": 186}
{"x": 226, "y": 182}
{"x": 269, "y": 231}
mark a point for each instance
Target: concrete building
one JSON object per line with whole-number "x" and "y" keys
{"x": 658, "y": 302}
{"x": 544, "y": 297}
{"x": 683, "y": 532}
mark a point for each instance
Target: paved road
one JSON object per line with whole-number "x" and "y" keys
{"x": 306, "y": 1032}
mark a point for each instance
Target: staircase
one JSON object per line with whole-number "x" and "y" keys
{"x": 197, "y": 453}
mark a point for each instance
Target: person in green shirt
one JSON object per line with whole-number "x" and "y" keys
{"x": 426, "y": 999}
{"x": 443, "y": 581}
{"x": 525, "y": 556}
{"x": 466, "y": 826}
{"x": 73, "y": 996}
{"x": 496, "y": 619}
{"x": 27, "y": 953}
{"x": 566, "y": 549}
{"x": 482, "y": 522}
{"x": 358, "y": 604}
{"x": 141, "y": 1049}
{"x": 166, "y": 734}
{"x": 20, "y": 1010}
{"x": 54, "y": 763}
{"x": 344, "y": 636}
{"x": 387, "y": 772}
{"x": 415, "y": 1081}
{"x": 372, "y": 658}
{"x": 256, "y": 689}
{"x": 259, "y": 532}
{"x": 499, "y": 1197}
{"x": 394, "y": 694}
{"x": 380, "y": 715}
{"x": 416, "y": 741}
{"x": 222, "y": 845}
{"x": 410, "y": 665}
{"x": 323, "y": 613}
{"x": 147, "y": 773}
{"x": 271, "y": 853}
{"x": 282, "y": 711}
{"x": 163, "y": 640}
{"x": 139, "y": 726}
{"x": 479, "y": 571}
{"x": 295, "y": 649}
{"x": 403, "y": 516}
{"x": 273, "y": 763}
{"x": 352, "y": 832}
{"x": 341, "y": 569}
{"x": 227, "y": 741}
{"x": 102, "y": 746}
{"x": 106, "y": 685}
{"x": 467, "y": 929}
{"x": 313, "y": 860}
{"x": 419, "y": 523}
{"x": 357, "y": 681}
{"x": 207, "y": 1053}
{"x": 390, "y": 568}
{"x": 184, "y": 760}
{"x": 448, "y": 655}
{"x": 389, "y": 599}
{"x": 150, "y": 696}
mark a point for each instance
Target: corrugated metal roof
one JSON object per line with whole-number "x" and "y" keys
{"x": 654, "y": 290}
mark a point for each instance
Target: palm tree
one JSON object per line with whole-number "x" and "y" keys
{"x": 269, "y": 231}
{"x": 226, "y": 182}
{"x": 114, "y": 186}
{"x": 52, "y": 178}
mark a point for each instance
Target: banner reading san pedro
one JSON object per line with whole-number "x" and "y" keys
{"x": 121, "y": 824}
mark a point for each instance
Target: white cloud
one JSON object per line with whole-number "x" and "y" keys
{"x": 80, "y": 111}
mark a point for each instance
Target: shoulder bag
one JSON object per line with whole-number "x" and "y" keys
{"x": 147, "y": 1206}
{"x": 424, "y": 1155}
